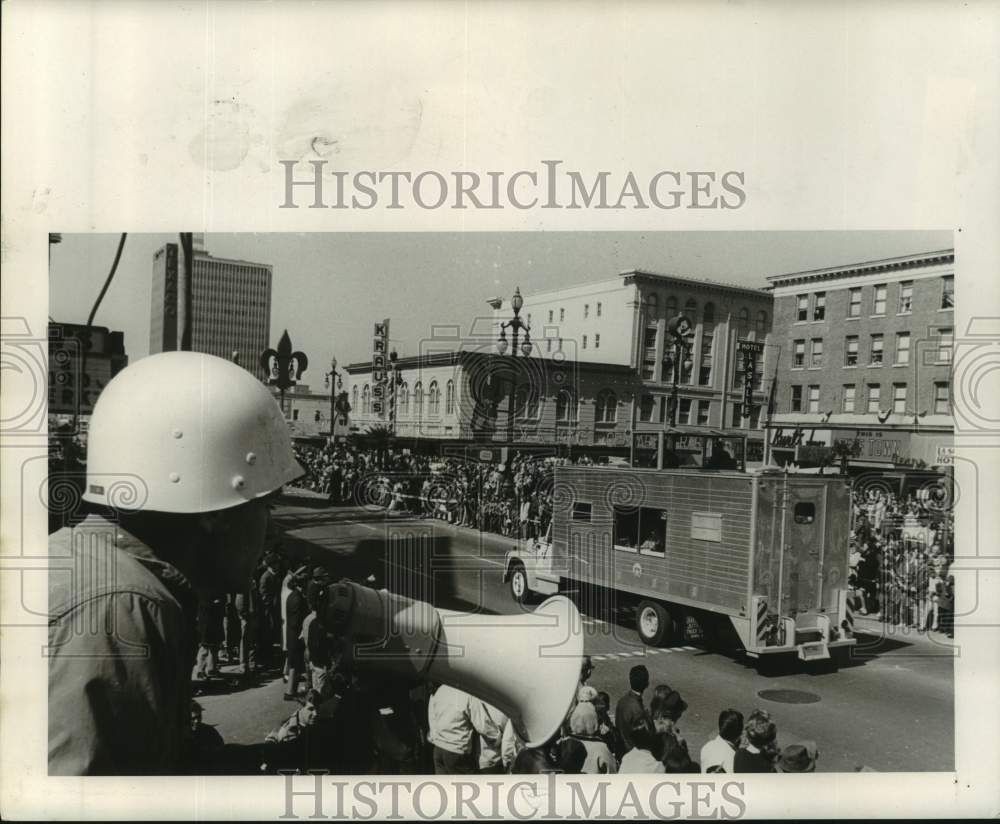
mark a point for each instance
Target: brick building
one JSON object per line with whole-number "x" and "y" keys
{"x": 623, "y": 321}
{"x": 865, "y": 358}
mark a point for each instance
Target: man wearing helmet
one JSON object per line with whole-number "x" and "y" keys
{"x": 185, "y": 451}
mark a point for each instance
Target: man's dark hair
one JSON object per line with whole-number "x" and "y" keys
{"x": 638, "y": 678}
{"x": 731, "y": 724}
{"x": 532, "y": 761}
{"x": 643, "y": 735}
{"x": 572, "y": 755}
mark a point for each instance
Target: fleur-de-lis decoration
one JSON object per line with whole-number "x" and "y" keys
{"x": 284, "y": 367}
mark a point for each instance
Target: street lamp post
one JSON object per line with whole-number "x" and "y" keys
{"x": 516, "y": 325}
{"x": 334, "y": 381}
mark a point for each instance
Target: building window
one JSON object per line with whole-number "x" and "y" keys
{"x": 737, "y": 420}
{"x": 434, "y": 399}
{"x": 945, "y": 343}
{"x": 366, "y": 400}
{"x": 813, "y": 399}
{"x": 902, "y": 348}
{"x": 607, "y": 407}
{"x": 295, "y": 414}
{"x": 418, "y": 399}
{"x": 584, "y": 341}
{"x": 354, "y": 398}
{"x": 796, "y": 398}
{"x": 755, "y": 417}
{"x": 743, "y": 323}
{"x": 761, "y": 324}
{"x": 684, "y": 416}
{"x": 449, "y": 398}
{"x": 560, "y": 344}
{"x": 598, "y": 309}
{"x": 877, "y": 350}
{"x": 899, "y": 398}
{"x": 566, "y": 406}
{"x": 597, "y": 340}
{"x": 404, "y": 398}
{"x": 948, "y": 292}
{"x": 816, "y": 353}
{"x": 703, "y": 408}
{"x": 705, "y": 367}
{"x": 851, "y": 351}
{"x": 905, "y": 297}
{"x": 582, "y": 511}
{"x": 562, "y": 314}
{"x": 316, "y": 416}
{"x": 878, "y": 302}
{"x": 550, "y": 316}
{"x": 874, "y": 397}
{"x": 548, "y": 345}
{"x": 802, "y": 307}
{"x": 854, "y": 303}
{"x": 646, "y": 404}
{"x": 527, "y": 403}
{"x": 691, "y": 309}
{"x": 799, "y": 354}
{"x": 849, "y": 398}
{"x": 586, "y": 311}
{"x": 942, "y": 399}
{"x": 649, "y": 353}
{"x": 819, "y": 306}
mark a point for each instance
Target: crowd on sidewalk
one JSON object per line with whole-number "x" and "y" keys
{"x": 511, "y": 500}
{"x": 901, "y": 553}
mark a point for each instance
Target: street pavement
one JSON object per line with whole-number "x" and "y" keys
{"x": 889, "y": 708}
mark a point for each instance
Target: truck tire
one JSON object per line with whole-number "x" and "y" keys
{"x": 519, "y": 589}
{"x": 653, "y": 623}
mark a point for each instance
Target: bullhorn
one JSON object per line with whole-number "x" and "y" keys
{"x": 527, "y": 666}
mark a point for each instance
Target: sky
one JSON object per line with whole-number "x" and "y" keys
{"x": 329, "y": 288}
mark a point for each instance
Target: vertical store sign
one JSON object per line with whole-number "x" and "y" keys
{"x": 749, "y": 350}
{"x": 380, "y": 345}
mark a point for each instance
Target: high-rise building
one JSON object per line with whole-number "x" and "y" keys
{"x": 231, "y": 305}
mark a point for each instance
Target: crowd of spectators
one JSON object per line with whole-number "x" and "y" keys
{"x": 512, "y": 499}
{"x": 902, "y": 549}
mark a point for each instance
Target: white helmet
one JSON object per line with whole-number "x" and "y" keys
{"x": 186, "y": 432}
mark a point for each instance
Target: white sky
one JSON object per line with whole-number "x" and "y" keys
{"x": 328, "y": 288}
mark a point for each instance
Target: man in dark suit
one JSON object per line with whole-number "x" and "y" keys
{"x": 630, "y": 708}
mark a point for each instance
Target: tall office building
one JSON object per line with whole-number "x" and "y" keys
{"x": 231, "y": 305}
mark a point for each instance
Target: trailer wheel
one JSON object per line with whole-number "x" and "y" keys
{"x": 653, "y": 623}
{"x": 519, "y": 589}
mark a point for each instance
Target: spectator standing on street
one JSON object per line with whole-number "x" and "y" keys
{"x": 269, "y": 587}
{"x": 721, "y": 750}
{"x": 583, "y": 727}
{"x": 211, "y": 633}
{"x": 630, "y": 709}
{"x": 644, "y": 755}
{"x": 757, "y": 754}
{"x": 666, "y": 709}
{"x": 606, "y": 728}
{"x": 296, "y": 610}
{"x": 454, "y": 719}
{"x": 211, "y": 454}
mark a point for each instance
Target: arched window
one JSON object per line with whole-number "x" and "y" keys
{"x": 708, "y": 313}
{"x": 671, "y": 307}
{"x": 691, "y": 309}
{"x": 418, "y": 399}
{"x": 354, "y": 398}
{"x": 527, "y": 403}
{"x": 743, "y": 324}
{"x": 607, "y": 406}
{"x": 652, "y": 304}
{"x": 403, "y": 399}
{"x": 434, "y": 399}
{"x": 449, "y": 398}
{"x": 366, "y": 400}
{"x": 761, "y": 324}
{"x": 566, "y": 406}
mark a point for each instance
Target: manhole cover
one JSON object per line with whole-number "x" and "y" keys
{"x": 789, "y": 696}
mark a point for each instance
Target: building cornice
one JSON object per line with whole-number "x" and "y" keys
{"x": 647, "y": 276}
{"x": 433, "y": 359}
{"x": 925, "y": 259}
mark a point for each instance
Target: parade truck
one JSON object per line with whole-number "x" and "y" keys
{"x": 760, "y": 558}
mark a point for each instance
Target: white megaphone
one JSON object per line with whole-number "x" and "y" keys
{"x": 527, "y": 666}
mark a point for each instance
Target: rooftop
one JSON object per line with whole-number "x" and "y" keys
{"x": 702, "y": 282}
{"x": 866, "y": 267}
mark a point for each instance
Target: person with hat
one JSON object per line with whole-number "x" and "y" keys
{"x": 798, "y": 758}
{"x": 180, "y": 484}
